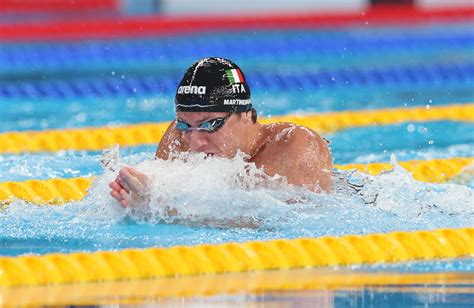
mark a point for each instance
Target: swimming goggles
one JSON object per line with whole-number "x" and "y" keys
{"x": 210, "y": 126}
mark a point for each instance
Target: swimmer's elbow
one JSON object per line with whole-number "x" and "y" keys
{"x": 324, "y": 163}
{"x": 325, "y": 183}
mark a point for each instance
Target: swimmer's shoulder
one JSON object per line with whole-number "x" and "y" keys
{"x": 297, "y": 153}
{"x": 288, "y": 134}
{"x": 288, "y": 140}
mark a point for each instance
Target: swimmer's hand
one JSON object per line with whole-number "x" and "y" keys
{"x": 130, "y": 188}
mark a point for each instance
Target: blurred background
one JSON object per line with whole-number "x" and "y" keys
{"x": 211, "y": 7}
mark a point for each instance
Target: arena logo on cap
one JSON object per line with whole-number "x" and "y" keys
{"x": 192, "y": 90}
{"x": 235, "y": 76}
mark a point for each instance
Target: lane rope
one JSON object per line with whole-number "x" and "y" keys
{"x": 135, "y": 264}
{"x": 449, "y": 75}
{"x": 154, "y": 26}
{"x": 60, "y": 191}
{"x": 150, "y": 133}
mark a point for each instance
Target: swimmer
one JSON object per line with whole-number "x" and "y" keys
{"x": 214, "y": 115}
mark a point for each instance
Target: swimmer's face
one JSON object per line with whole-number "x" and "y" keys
{"x": 224, "y": 142}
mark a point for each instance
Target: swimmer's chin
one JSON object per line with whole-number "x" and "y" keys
{"x": 215, "y": 154}
{"x": 222, "y": 155}
{"x": 207, "y": 154}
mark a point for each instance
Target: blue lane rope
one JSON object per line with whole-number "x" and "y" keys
{"x": 178, "y": 51}
{"x": 132, "y": 86}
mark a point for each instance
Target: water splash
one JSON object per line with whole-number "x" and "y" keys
{"x": 397, "y": 192}
{"x": 213, "y": 200}
{"x": 215, "y": 192}
{"x": 465, "y": 177}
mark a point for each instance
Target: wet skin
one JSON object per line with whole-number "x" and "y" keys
{"x": 292, "y": 151}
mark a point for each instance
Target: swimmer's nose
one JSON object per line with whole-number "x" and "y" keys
{"x": 198, "y": 141}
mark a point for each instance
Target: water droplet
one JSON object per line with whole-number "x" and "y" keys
{"x": 430, "y": 142}
{"x": 411, "y": 128}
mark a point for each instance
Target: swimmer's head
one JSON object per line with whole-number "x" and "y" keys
{"x": 213, "y": 85}
{"x": 213, "y": 108}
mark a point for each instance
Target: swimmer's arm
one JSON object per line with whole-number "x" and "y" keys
{"x": 142, "y": 206}
{"x": 305, "y": 160}
{"x": 171, "y": 142}
{"x": 130, "y": 186}
{"x": 131, "y": 190}
{"x": 176, "y": 218}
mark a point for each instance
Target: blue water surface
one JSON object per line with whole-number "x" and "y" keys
{"x": 117, "y": 82}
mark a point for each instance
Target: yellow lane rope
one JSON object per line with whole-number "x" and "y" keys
{"x": 431, "y": 171}
{"x": 59, "y": 191}
{"x": 151, "y": 133}
{"x": 52, "y": 191}
{"x": 139, "y": 291}
{"x": 135, "y": 264}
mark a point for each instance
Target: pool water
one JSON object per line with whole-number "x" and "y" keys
{"x": 338, "y": 287}
{"x": 97, "y": 223}
{"x": 103, "y": 82}
{"x": 55, "y": 85}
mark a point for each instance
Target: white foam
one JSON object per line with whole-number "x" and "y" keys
{"x": 210, "y": 191}
{"x": 218, "y": 192}
{"x": 398, "y": 193}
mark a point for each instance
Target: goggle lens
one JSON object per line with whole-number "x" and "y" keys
{"x": 183, "y": 126}
{"x": 209, "y": 126}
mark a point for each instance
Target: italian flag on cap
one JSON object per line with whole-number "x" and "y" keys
{"x": 235, "y": 76}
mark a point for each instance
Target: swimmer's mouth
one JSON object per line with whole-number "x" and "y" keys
{"x": 213, "y": 154}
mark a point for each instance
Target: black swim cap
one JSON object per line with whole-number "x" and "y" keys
{"x": 213, "y": 85}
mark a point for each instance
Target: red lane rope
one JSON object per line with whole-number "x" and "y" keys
{"x": 55, "y": 5}
{"x": 162, "y": 25}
